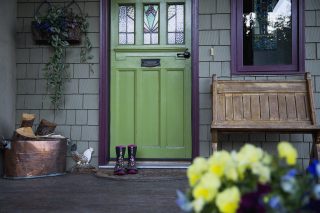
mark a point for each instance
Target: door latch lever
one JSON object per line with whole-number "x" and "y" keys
{"x": 186, "y": 54}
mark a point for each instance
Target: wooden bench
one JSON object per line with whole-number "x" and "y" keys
{"x": 285, "y": 106}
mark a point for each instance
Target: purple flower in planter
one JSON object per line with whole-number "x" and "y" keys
{"x": 288, "y": 181}
{"x": 252, "y": 202}
{"x": 63, "y": 24}
{"x": 183, "y": 202}
{"x": 314, "y": 168}
{"x": 292, "y": 173}
{"x": 313, "y": 206}
{"x": 44, "y": 26}
{"x": 37, "y": 26}
{"x": 275, "y": 202}
{"x": 316, "y": 191}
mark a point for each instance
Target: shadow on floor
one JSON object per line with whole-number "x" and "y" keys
{"x": 88, "y": 193}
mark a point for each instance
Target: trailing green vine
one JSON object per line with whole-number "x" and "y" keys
{"x": 61, "y": 26}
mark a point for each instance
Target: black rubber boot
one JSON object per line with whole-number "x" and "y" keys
{"x": 132, "y": 167}
{"x": 119, "y": 168}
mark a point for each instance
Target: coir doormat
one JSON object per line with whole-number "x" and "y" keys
{"x": 145, "y": 175}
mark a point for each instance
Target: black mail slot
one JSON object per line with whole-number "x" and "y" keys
{"x": 150, "y": 62}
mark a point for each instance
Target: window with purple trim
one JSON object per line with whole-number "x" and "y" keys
{"x": 267, "y": 37}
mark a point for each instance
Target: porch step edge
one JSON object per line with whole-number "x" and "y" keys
{"x": 153, "y": 165}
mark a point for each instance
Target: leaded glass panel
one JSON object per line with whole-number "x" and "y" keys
{"x": 176, "y": 24}
{"x": 151, "y": 24}
{"x": 126, "y": 24}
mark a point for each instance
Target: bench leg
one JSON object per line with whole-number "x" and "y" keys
{"x": 315, "y": 151}
{"x": 214, "y": 141}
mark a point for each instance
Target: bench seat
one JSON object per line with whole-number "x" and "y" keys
{"x": 264, "y": 106}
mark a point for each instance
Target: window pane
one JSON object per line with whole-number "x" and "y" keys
{"x": 130, "y": 38}
{"x": 122, "y": 38}
{"x": 146, "y": 38}
{"x": 171, "y": 38}
{"x": 126, "y": 24}
{"x": 179, "y": 38}
{"x": 151, "y": 24}
{"x": 267, "y": 32}
{"x": 175, "y": 24}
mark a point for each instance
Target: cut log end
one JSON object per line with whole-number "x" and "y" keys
{"x": 27, "y": 120}
{"x": 24, "y": 133}
{"x": 45, "y": 127}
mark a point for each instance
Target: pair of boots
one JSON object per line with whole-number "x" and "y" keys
{"x": 131, "y": 168}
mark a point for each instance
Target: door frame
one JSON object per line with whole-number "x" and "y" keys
{"x": 104, "y": 81}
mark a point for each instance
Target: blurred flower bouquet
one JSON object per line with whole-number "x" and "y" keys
{"x": 251, "y": 180}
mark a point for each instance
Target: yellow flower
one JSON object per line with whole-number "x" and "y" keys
{"x": 211, "y": 181}
{"x": 267, "y": 159}
{"x": 201, "y": 192}
{"x": 250, "y": 153}
{"x": 218, "y": 162}
{"x": 228, "y": 200}
{"x": 231, "y": 173}
{"x": 200, "y": 163}
{"x": 196, "y": 170}
{"x": 287, "y": 151}
{"x": 193, "y": 178}
{"x": 207, "y": 188}
{"x": 246, "y": 157}
{"x": 198, "y": 205}
{"x": 262, "y": 171}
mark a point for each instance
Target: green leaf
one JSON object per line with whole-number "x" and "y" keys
{"x": 56, "y": 70}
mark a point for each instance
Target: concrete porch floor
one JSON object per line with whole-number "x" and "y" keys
{"x": 88, "y": 193}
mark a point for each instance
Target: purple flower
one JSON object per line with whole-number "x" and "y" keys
{"x": 313, "y": 206}
{"x": 63, "y": 24}
{"x": 252, "y": 202}
{"x": 38, "y": 26}
{"x": 183, "y": 202}
{"x": 275, "y": 202}
{"x": 45, "y": 26}
{"x": 292, "y": 173}
{"x": 314, "y": 169}
{"x": 288, "y": 181}
{"x": 316, "y": 191}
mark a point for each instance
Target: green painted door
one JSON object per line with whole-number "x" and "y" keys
{"x": 150, "y": 84}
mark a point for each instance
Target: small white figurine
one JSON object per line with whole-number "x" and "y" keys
{"x": 81, "y": 159}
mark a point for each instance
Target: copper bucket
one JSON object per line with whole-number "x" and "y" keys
{"x": 35, "y": 158}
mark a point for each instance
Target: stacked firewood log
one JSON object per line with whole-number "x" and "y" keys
{"x": 26, "y": 132}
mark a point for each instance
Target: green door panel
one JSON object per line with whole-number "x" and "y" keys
{"x": 124, "y": 112}
{"x": 150, "y": 109}
{"x": 174, "y": 108}
{"x": 150, "y": 106}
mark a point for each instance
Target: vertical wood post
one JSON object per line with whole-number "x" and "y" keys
{"x": 310, "y": 98}
{"x": 214, "y": 132}
{"x": 315, "y": 151}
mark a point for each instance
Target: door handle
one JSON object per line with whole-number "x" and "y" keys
{"x": 186, "y": 54}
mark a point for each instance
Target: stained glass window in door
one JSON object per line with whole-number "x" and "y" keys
{"x": 151, "y": 24}
{"x": 176, "y": 24}
{"x": 126, "y": 24}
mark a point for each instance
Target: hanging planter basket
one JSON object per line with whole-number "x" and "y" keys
{"x": 42, "y": 36}
{"x": 58, "y": 28}
{"x": 68, "y": 23}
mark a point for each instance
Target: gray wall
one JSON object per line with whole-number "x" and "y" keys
{"x": 78, "y": 117}
{"x": 7, "y": 69}
{"x": 214, "y": 32}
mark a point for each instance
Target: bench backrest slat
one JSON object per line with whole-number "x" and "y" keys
{"x": 262, "y": 102}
